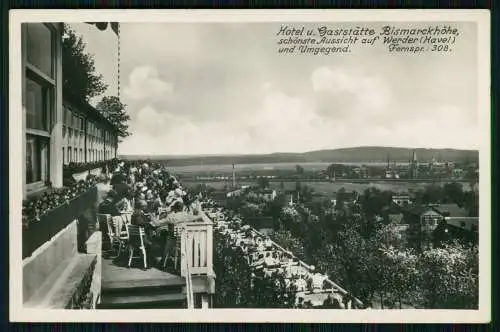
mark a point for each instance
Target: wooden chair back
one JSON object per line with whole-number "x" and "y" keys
{"x": 136, "y": 236}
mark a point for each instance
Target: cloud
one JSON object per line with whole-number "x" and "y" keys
{"x": 144, "y": 83}
{"x": 217, "y": 88}
{"x": 347, "y": 92}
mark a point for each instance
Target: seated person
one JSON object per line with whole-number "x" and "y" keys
{"x": 122, "y": 189}
{"x": 153, "y": 206}
{"x": 118, "y": 178}
{"x": 333, "y": 301}
{"x": 124, "y": 205}
{"x": 317, "y": 282}
{"x": 108, "y": 206}
{"x": 300, "y": 284}
{"x": 269, "y": 261}
{"x": 177, "y": 205}
{"x": 268, "y": 243}
{"x": 139, "y": 217}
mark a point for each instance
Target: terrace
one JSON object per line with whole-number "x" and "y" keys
{"x": 184, "y": 279}
{"x": 60, "y": 271}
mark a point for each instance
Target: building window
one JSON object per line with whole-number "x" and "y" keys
{"x": 75, "y": 152}
{"x": 39, "y": 99}
{"x": 36, "y": 158}
{"x": 40, "y": 47}
{"x": 81, "y": 154}
{"x": 37, "y": 105}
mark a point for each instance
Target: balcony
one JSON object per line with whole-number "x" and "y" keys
{"x": 188, "y": 284}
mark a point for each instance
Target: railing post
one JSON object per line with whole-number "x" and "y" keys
{"x": 209, "y": 247}
{"x": 183, "y": 252}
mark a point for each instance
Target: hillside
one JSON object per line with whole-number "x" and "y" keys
{"x": 357, "y": 154}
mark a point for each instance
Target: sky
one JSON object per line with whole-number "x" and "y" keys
{"x": 222, "y": 88}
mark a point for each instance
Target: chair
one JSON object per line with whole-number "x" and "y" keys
{"x": 127, "y": 217}
{"x": 113, "y": 239}
{"x": 172, "y": 250}
{"x": 136, "y": 241}
{"x": 125, "y": 234}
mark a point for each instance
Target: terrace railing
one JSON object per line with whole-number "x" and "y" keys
{"x": 50, "y": 223}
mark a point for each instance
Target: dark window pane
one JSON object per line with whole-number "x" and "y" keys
{"x": 36, "y": 159}
{"x": 36, "y": 106}
{"x": 39, "y": 47}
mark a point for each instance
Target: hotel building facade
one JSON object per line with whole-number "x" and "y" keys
{"x": 57, "y": 129}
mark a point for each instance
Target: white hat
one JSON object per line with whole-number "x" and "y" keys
{"x": 144, "y": 189}
{"x": 139, "y": 184}
{"x": 179, "y": 192}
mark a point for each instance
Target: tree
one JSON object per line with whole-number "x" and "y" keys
{"x": 453, "y": 193}
{"x": 233, "y": 275}
{"x": 285, "y": 239}
{"x": 349, "y": 259}
{"x": 114, "y": 110}
{"x": 299, "y": 169}
{"x": 433, "y": 194}
{"x": 79, "y": 76}
{"x": 471, "y": 203}
{"x": 390, "y": 236}
{"x": 449, "y": 277}
{"x": 397, "y": 275}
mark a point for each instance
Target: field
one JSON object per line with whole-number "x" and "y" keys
{"x": 227, "y": 168}
{"x": 326, "y": 188}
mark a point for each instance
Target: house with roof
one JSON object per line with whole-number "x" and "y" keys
{"x": 463, "y": 228}
{"x": 422, "y": 221}
{"x": 268, "y": 194}
{"x": 459, "y": 225}
{"x": 401, "y": 199}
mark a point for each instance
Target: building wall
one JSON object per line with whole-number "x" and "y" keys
{"x": 55, "y": 133}
{"x": 42, "y": 105}
{"x": 86, "y": 139}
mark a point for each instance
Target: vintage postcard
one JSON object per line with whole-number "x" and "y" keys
{"x": 250, "y": 166}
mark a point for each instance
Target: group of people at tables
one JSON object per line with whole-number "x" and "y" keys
{"x": 266, "y": 258}
{"x": 145, "y": 195}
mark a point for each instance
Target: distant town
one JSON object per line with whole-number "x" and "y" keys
{"x": 414, "y": 170}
